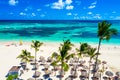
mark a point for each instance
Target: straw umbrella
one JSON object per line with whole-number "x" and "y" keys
{"x": 109, "y": 74}
{"x": 117, "y": 73}
{"x": 36, "y": 74}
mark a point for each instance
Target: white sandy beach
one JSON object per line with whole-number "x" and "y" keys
{"x": 8, "y": 54}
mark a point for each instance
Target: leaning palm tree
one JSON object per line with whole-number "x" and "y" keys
{"x": 104, "y": 33}
{"x": 63, "y": 57}
{"x": 25, "y": 56}
{"x": 36, "y": 45}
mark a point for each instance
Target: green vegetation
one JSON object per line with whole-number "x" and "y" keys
{"x": 36, "y": 45}
{"x": 63, "y": 56}
{"x": 12, "y": 77}
{"x": 104, "y": 33}
{"x": 91, "y": 53}
{"x": 25, "y": 56}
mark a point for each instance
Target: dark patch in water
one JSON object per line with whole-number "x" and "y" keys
{"x": 66, "y": 32}
{"x": 39, "y": 31}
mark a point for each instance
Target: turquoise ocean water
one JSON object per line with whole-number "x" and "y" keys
{"x": 54, "y": 30}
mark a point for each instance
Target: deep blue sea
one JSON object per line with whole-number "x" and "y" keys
{"x": 54, "y": 30}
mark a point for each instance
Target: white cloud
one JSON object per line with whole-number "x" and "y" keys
{"x": 89, "y": 13}
{"x": 93, "y": 5}
{"x": 33, "y": 14}
{"x": 38, "y": 9}
{"x": 85, "y": 17}
{"x": 13, "y": 2}
{"x": 69, "y": 14}
{"x": 22, "y": 13}
{"x": 63, "y": 4}
{"x": 26, "y": 9}
{"x": 69, "y": 7}
{"x": 78, "y": 2}
{"x": 76, "y": 17}
{"x": 68, "y": 2}
{"x": 97, "y": 16}
{"x": 42, "y": 15}
{"x": 58, "y": 5}
{"x": 75, "y": 14}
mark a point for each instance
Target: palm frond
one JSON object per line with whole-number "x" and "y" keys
{"x": 36, "y": 44}
{"x": 104, "y": 30}
{"x": 25, "y": 56}
{"x": 54, "y": 63}
{"x": 69, "y": 56}
{"x": 65, "y": 66}
{"x": 54, "y": 55}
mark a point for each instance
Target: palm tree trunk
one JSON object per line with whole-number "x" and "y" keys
{"x": 35, "y": 64}
{"x": 54, "y": 70}
{"x": 61, "y": 72}
{"x": 76, "y": 67}
{"x": 26, "y": 66}
{"x": 89, "y": 69}
{"x": 96, "y": 61}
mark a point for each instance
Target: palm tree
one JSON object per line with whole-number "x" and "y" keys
{"x": 64, "y": 56}
{"x": 104, "y": 33}
{"x": 25, "y": 56}
{"x": 54, "y": 62}
{"x": 36, "y": 45}
{"x": 82, "y": 51}
{"x": 91, "y": 53}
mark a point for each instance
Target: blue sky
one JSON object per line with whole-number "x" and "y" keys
{"x": 60, "y": 9}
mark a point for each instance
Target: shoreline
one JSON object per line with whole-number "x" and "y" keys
{"x": 58, "y": 42}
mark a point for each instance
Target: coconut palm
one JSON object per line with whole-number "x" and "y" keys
{"x": 54, "y": 62}
{"x": 64, "y": 56}
{"x": 104, "y": 33}
{"x": 82, "y": 49}
{"x": 36, "y": 45}
{"x": 91, "y": 53}
{"x": 25, "y": 56}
